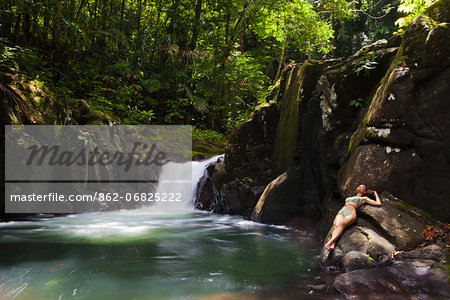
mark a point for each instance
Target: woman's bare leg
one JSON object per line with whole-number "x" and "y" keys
{"x": 340, "y": 222}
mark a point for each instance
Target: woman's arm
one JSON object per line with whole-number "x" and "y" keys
{"x": 372, "y": 202}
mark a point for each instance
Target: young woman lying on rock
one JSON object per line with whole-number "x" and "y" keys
{"x": 347, "y": 215}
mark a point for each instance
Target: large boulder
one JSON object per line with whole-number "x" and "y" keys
{"x": 379, "y": 168}
{"x": 433, "y": 252}
{"x": 238, "y": 181}
{"x": 251, "y": 144}
{"x": 397, "y": 221}
{"x": 239, "y": 196}
{"x": 276, "y": 204}
{"x": 219, "y": 192}
{"x": 378, "y": 232}
{"x": 372, "y": 248}
{"x": 355, "y": 260}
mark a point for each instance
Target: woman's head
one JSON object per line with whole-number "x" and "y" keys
{"x": 361, "y": 189}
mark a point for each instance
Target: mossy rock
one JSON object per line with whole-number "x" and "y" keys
{"x": 411, "y": 210}
{"x": 437, "y": 47}
{"x": 202, "y": 149}
{"x": 439, "y": 11}
{"x": 300, "y": 84}
{"x": 415, "y": 37}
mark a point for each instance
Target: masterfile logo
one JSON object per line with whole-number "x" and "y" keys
{"x": 67, "y": 160}
{"x": 97, "y": 156}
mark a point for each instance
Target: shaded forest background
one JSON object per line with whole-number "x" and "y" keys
{"x": 207, "y": 63}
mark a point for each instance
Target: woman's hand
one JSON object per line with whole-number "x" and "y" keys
{"x": 370, "y": 192}
{"x": 371, "y": 202}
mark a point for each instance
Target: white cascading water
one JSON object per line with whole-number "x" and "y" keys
{"x": 187, "y": 174}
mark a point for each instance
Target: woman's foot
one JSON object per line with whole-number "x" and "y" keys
{"x": 330, "y": 245}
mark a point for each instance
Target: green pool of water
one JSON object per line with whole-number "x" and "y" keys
{"x": 144, "y": 255}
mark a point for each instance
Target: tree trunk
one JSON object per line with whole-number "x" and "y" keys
{"x": 104, "y": 13}
{"x": 56, "y": 26}
{"x": 17, "y": 27}
{"x": 227, "y": 27}
{"x": 95, "y": 9}
{"x": 241, "y": 42}
{"x": 174, "y": 11}
{"x": 138, "y": 33}
{"x": 26, "y": 27}
{"x": 80, "y": 9}
{"x": 71, "y": 9}
{"x": 198, "y": 10}
{"x": 122, "y": 12}
{"x": 269, "y": 67}
{"x": 111, "y": 8}
{"x": 45, "y": 28}
{"x": 280, "y": 63}
{"x": 7, "y": 15}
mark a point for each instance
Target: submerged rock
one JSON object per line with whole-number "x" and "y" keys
{"x": 406, "y": 277}
{"x": 354, "y": 260}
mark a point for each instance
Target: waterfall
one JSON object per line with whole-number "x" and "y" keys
{"x": 179, "y": 178}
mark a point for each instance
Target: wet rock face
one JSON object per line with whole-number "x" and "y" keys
{"x": 407, "y": 156}
{"x": 218, "y": 192}
{"x": 205, "y": 194}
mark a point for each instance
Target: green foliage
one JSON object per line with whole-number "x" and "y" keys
{"x": 7, "y": 58}
{"x": 362, "y": 23}
{"x": 296, "y": 21}
{"x": 140, "y": 117}
{"x": 199, "y": 62}
{"x": 206, "y": 135}
{"x": 412, "y": 8}
{"x": 206, "y": 142}
{"x": 356, "y": 102}
{"x": 366, "y": 63}
{"x": 17, "y": 59}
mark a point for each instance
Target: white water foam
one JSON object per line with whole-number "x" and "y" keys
{"x": 188, "y": 175}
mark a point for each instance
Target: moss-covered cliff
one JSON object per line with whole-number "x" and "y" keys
{"x": 376, "y": 117}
